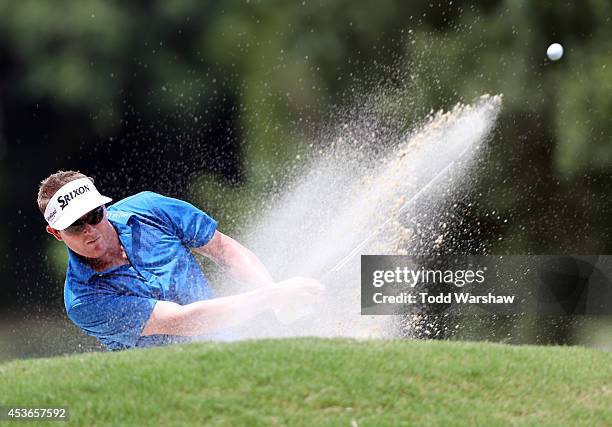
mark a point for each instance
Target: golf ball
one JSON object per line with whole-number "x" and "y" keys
{"x": 554, "y": 52}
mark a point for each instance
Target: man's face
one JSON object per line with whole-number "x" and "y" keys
{"x": 90, "y": 241}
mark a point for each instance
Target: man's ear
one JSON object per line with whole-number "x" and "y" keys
{"x": 54, "y": 233}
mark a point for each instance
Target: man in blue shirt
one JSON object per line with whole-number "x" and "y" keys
{"x": 132, "y": 280}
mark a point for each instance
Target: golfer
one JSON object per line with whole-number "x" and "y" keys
{"x": 132, "y": 280}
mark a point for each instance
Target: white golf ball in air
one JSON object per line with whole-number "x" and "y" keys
{"x": 554, "y": 52}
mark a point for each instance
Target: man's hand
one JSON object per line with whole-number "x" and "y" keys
{"x": 298, "y": 296}
{"x": 297, "y": 290}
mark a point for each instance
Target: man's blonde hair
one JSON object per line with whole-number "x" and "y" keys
{"x": 49, "y": 186}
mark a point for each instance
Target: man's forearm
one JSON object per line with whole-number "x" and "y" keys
{"x": 237, "y": 260}
{"x": 244, "y": 266}
{"x": 203, "y": 317}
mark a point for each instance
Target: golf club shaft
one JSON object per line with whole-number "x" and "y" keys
{"x": 402, "y": 209}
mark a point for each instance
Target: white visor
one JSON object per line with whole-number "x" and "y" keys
{"x": 72, "y": 201}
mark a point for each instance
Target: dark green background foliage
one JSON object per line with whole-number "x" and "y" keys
{"x": 207, "y": 101}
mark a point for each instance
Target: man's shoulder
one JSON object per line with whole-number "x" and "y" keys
{"x": 142, "y": 204}
{"x": 149, "y": 203}
{"x": 138, "y": 199}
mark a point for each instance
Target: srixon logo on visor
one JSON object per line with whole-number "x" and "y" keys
{"x": 66, "y": 198}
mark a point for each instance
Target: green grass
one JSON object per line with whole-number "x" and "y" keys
{"x": 321, "y": 382}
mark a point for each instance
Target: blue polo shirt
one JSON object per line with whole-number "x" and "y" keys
{"x": 156, "y": 233}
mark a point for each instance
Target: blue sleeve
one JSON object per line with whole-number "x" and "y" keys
{"x": 192, "y": 226}
{"x": 114, "y": 317}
